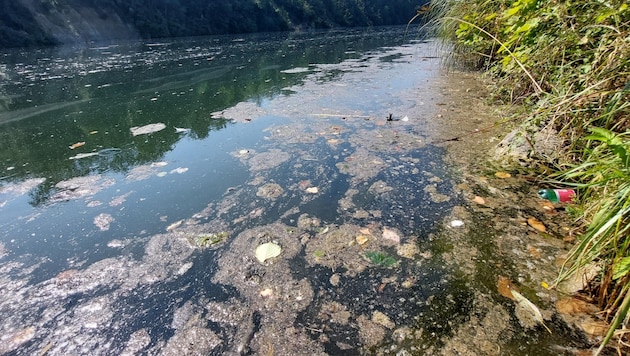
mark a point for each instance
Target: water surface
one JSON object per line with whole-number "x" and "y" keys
{"x": 114, "y": 242}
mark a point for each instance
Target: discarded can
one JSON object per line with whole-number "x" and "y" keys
{"x": 557, "y": 195}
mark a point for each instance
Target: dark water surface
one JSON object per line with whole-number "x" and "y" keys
{"x": 115, "y": 243}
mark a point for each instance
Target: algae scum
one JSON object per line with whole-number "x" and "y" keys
{"x": 138, "y": 183}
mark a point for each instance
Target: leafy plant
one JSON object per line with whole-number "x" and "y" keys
{"x": 569, "y": 63}
{"x": 211, "y": 239}
{"x": 381, "y": 259}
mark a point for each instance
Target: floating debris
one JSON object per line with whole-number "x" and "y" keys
{"x": 270, "y": 191}
{"x": 389, "y": 234}
{"x": 267, "y": 250}
{"x": 84, "y": 155}
{"x": 76, "y": 145}
{"x": 184, "y": 268}
{"x": 147, "y": 129}
{"x": 179, "y": 170}
{"x": 174, "y": 225}
{"x": 102, "y": 221}
{"x": 312, "y": 190}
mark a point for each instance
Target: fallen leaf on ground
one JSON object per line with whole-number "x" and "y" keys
{"x": 596, "y": 328}
{"x": 365, "y": 231}
{"x": 504, "y": 286}
{"x": 76, "y": 145}
{"x": 479, "y": 200}
{"x": 502, "y": 175}
{"x": 536, "y": 224}
{"x": 547, "y": 205}
{"x": 525, "y": 304}
{"x": 574, "y": 306}
{"x": 361, "y": 239}
{"x": 267, "y": 250}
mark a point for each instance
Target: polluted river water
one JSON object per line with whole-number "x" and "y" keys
{"x": 286, "y": 194}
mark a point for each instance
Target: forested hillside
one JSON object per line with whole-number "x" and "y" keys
{"x": 44, "y": 22}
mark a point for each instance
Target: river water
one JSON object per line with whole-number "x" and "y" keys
{"x": 137, "y": 181}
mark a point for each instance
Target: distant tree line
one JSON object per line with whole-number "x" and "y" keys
{"x": 47, "y": 22}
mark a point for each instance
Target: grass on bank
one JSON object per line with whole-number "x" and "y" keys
{"x": 569, "y": 63}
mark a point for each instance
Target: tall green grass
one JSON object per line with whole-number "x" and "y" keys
{"x": 569, "y": 62}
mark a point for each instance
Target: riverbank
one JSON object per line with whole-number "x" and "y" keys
{"x": 567, "y": 67}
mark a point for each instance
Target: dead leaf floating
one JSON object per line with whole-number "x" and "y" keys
{"x": 267, "y": 250}
{"x": 76, "y": 145}
{"x": 147, "y": 129}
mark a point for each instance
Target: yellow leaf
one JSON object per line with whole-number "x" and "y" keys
{"x": 536, "y": 224}
{"x": 361, "y": 239}
{"x": 502, "y": 175}
{"x": 544, "y": 285}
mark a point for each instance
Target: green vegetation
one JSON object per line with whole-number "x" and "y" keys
{"x": 380, "y": 259}
{"x": 43, "y": 22}
{"x": 208, "y": 240}
{"x": 568, "y": 63}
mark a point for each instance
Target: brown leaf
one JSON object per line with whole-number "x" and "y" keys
{"x": 574, "y": 306}
{"x": 547, "y": 206}
{"x": 536, "y": 224}
{"x": 361, "y": 239}
{"x": 504, "y": 286}
{"x": 534, "y": 251}
{"x": 502, "y": 175}
{"x": 76, "y": 145}
{"x": 595, "y": 328}
{"x": 479, "y": 200}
